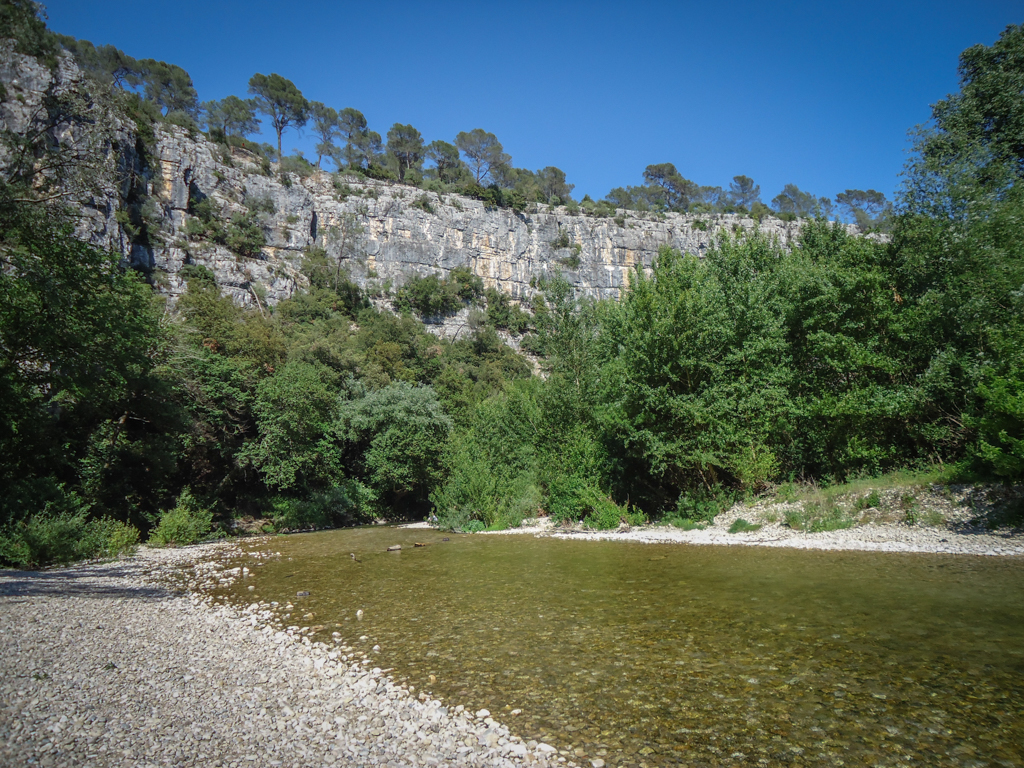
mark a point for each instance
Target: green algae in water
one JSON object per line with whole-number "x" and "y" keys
{"x": 674, "y": 654}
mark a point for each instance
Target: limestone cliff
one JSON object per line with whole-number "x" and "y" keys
{"x": 387, "y": 232}
{"x": 381, "y": 232}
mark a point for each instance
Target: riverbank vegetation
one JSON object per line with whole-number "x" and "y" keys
{"x": 711, "y": 379}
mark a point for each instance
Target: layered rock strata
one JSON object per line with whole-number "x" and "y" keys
{"x": 379, "y": 232}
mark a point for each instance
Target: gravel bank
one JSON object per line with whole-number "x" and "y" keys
{"x": 961, "y": 521}
{"x": 868, "y": 538}
{"x": 112, "y": 665}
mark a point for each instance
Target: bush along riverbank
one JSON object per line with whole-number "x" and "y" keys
{"x": 80, "y": 683}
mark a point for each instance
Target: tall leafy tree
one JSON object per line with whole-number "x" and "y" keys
{"x": 399, "y": 434}
{"x": 483, "y": 153}
{"x": 959, "y": 237}
{"x": 371, "y": 148}
{"x": 405, "y": 144}
{"x": 279, "y": 99}
{"x": 642, "y": 198}
{"x": 294, "y": 410}
{"x": 352, "y": 129}
{"x": 78, "y": 341}
{"x": 552, "y": 183}
{"x": 105, "y": 62}
{"x": 678, "y": 192}
{"x": 232, "y": 115}
{"x": 743, "y": 191}
{"x": 22, "y": 21}
{"x": 793, "y": 200}
{"x": 711, "y": 197}
{"x": 325, "y": 126}
{"x": 169, "y": 87}
{"x": 868, "y": 208}
{"x": 446, "y": 160}
{"x": 988, "y": 111}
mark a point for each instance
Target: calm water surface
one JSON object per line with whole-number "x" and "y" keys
{"x": 674, "y": 654}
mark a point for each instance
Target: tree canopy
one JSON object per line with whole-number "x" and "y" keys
{"x": 326, "y": 128}
{"x": 988, "y": 111}
{"x": 869, "y": 209}
{"x": 446, "y": 160}
{"x": 231, "y": 115}
{"x": 279, "y": 99}
{"x": 744, "y": 192}
{"x": 483, "y": 153}
{"x": 405, "y": 144}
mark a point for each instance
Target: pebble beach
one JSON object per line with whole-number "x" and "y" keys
{"x": 119, "y": 664}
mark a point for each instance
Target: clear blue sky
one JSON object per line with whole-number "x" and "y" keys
{"x": 820, "y": 94}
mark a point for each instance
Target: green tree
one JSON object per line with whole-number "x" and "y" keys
{"x": 231, "y": 115}
{"x": 78, "y": 339}
{"x": 484, "y": 153}
{"x": 279, "y": 99}
{"x": 325, "y": 126}
{"x": 494, "y": 472}
{"x": 958, "y": 238}
{"x": 405, "y": 144}
{"x": 744, "y": 192}
{"x": 678, "y": 192}
{"x": 643, "y": 198}
{"x": 397, "y": 437}
{"x": 795, "y": 202}
{"x": 105, "y": 63}
{"x": 988, "y": 111}
{"x": 699, "y": 372}
{"x": 552, "y": 184}
{"x": 370, "y": 148}
{"x": 869, "y": 209}
{"x": 23, "y": 21}
{"x": 295, "y": 448}
{"x": 169, "y": 87}
{"x": 445, "y": 157}
{"x": 712, "y": 198}
{"x": 352, "y": 128}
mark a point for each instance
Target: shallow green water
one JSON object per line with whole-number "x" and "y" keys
{"x": 674, "y": 654}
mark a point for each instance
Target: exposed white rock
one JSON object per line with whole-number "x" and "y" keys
{"x": 381, "y": 232}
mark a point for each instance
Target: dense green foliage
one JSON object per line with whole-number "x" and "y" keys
{"x": 186, "y": 523}
{"x": 711, "y": 378}
{"x": 279, "y": 99}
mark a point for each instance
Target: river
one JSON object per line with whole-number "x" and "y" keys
{"x": 655, "y": 655}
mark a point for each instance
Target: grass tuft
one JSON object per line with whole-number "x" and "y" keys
{"x": 740, "y": 525}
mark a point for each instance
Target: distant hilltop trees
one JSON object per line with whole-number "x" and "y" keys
{"x": 474, "y": 163}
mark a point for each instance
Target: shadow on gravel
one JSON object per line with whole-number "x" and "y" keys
{"x": 96, "y": 581}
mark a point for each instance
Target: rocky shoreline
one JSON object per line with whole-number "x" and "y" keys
{"x": 958, "y": 521}
{"x": 122, "y": 664}
{"x": 868, "y": 538}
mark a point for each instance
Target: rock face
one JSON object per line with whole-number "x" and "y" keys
{"x": 55, "y": 106}
{"x": 380, "y": 233}
{"x": 384, "y": 233}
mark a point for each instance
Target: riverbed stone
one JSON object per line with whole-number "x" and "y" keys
{"x": 122, "y": 695}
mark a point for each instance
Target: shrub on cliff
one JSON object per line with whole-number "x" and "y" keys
{"x": 432, "y": 296}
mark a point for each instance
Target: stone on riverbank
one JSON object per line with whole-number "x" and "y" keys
{"x": 113, "y": 665}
